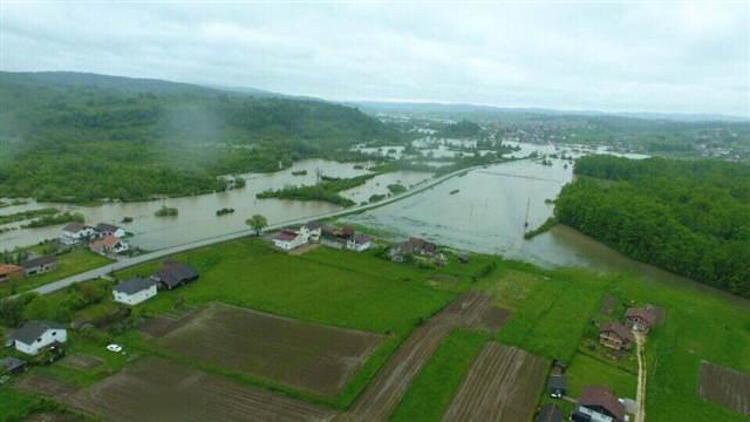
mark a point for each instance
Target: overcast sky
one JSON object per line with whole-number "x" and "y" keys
{"x": 654, "y": 56}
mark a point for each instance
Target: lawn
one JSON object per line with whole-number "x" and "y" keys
{"x": 585, "y": 370}
{"x": 77, "y": 261}
{"x": 432, "y": 391}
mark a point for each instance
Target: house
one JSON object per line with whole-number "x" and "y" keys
{"x": 135, "y": 291}
{"x": 642, "y": 319}
{"x": 550, "y": 413}
{"x": 11, "y": 365}
{"x": 598, "y": 404}
{"x": 74, "y": 233}
{"x": 104, "y": 230}
{"x": 413, "y": 246}
{"x": 557, "y": 385}
{"x": 10, "y": 272}
{"x": 34, "y": 336}
{"x": 359, "y": 243}
{"x": 289, "y": 239}
{"x": 39, "y": 265}
{"x": 315, "y": 230}
{"x": 174, "y": 274}
{"x": 109, "y": 245}
{"x": 616, "y": 336}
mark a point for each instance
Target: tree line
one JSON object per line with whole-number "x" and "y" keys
{"x": 689, "y": 217}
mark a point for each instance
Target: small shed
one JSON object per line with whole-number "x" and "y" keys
{"x": 557, "y": 385}
{"x": 11, "y": 365}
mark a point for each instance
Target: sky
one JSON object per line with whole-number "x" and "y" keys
{"x": 651, "y": 56}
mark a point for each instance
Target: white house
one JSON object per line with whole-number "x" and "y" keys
{"x": 104, "y": 230}
{"x": 36, "y": 335}
{"x": 74, "y": 233}
{"x": 314, "y": 230}
{"x": 289, "y": 239}
{"x": 359, "y": 243}
{"x": 134, "y": 291}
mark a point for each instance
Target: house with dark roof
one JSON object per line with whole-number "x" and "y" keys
{"x": 314, "y": 230}
{"x": 34, "y": 336}
{"x": 598, "y": 404}
{"x": 41, "y": 265}
{"x": 135, "y": 291}
{"x": 616, "y": 336}
{"x": 10, "y": 272}
{"x": 549, "y": 413}
{"x": 557, "y": 385}
{"x": 74, "y": 233}
{"x": 104, "y": 229}
{"x": 642, "y": 319}
{"x": 174, "y": 274}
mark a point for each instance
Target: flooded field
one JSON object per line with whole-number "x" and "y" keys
{"x": 197, "y": 214}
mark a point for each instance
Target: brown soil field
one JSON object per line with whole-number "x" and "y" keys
{"x": 158, "y": 390}
{"x": 81, "y": 361}
{"x": 54, "y": 417}
{"x": 382, "y": 396}
{"x": 304, "y": 249}
{"x": 725, "y": 386}
{"x": 298, "y": 354}
{"x": 164, "y": 324}
{"x": 503, "y": 384}
{"x": 46, "y": 386}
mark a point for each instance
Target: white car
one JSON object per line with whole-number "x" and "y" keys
{"x": 114, "y": 348}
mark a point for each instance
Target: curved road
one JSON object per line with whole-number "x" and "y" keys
{"x": 150, "y": 256}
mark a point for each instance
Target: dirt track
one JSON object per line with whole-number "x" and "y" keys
{"x": 382, "y": 396}
{"x": 503, "y": 384}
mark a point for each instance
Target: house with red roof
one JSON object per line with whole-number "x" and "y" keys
{"x": 616, "y": 336}
{"x": 598, "y": 404}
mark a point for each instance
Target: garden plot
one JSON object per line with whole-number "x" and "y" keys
{"x": 158, "y": 390}
{"x": 301, "y": 355}
{"x": 503, "y": 384}
{"x": 724, "y": 386}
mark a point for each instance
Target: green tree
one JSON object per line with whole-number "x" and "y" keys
{"x": 257, "y": 222}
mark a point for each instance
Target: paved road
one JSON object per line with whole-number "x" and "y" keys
{"x": 161, "y": 253}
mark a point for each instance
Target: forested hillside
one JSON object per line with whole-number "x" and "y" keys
{"x": 689, "y": 217}
{"x": 82, "y": 137}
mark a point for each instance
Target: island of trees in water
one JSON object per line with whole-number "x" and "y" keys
{"x": 689, "y": 217}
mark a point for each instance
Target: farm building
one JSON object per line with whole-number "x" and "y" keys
{"x": 641, "y": 319}
{"x": 74, "y": 233}
{"x": 34, "y": 336}
{"x": 10, "y": 272}
{"x": 134, "y": 291}
{"x": 108, "y": 245}
{"x": 598, "y": 404}
{"x": 335, "y": 237}
{"x": 616, "y": 336}
{"x": 11, "y": 365}
{"x": 289, "y": 239}
{"x": 104, "y": 230}
{"x": 557, "y": 385}
{"x": 413, "y": 246}
{"x": 39, "y": 265}
{"x": 174, "y": 274}
{"x": 359, "y": 243}
{"x": 550, "y": 413}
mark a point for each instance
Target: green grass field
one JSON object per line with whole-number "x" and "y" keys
{"x": 432, "y": 391}
{"x": 553, "y": 313}
{"x": 74, "y": 262}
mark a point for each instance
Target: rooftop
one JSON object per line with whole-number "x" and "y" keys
{"x": 134, "y": 285}
{"x": 43, "y": 260}
{"x": 32, "y": 330}
{"x": 600, "y": 396}
{"x": 6, "y": 269}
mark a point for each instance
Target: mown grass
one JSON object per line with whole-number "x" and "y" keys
{"x": 585, "y": 370}
{"x": 76, "y": 261}
{"x": 432, "y": 391}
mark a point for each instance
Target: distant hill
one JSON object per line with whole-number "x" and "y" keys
{"x": 78, "y": 137}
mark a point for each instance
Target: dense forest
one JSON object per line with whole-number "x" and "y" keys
{"x": 689, "y": 217}
{"x": 81, "y": 137}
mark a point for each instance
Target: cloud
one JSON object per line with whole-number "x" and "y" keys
{"x": 649, "y": 56}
